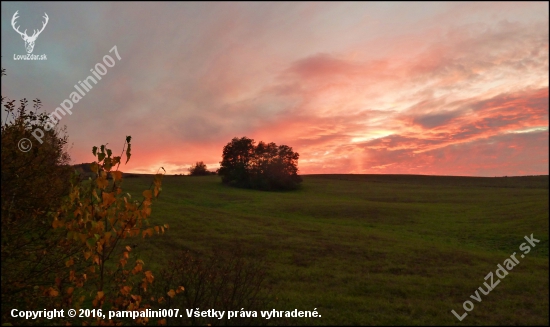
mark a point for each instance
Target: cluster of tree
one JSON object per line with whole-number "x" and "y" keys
{"x": 265, "y": 166}
{"x": 199, "y": 169}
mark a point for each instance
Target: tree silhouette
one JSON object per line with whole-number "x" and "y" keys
{"x": 265, "y": 166}
{"x": 198, "y": 169}
{"x": 34, "y": 180}
{"x": 237, "y": 156}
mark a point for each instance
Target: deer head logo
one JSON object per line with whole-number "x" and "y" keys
{"x": 29, "y": 40}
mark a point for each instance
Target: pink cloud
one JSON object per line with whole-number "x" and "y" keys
{"x": 359, "y": 87}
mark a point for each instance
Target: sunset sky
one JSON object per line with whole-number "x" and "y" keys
{"x": 363, "y": 88}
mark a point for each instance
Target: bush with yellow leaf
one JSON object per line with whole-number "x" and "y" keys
{"x": 98, "y": 215}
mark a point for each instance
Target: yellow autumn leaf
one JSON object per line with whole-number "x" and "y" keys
{"x": 147, "y": 212}
{"x": 108, "y": 199}
{"x": 94, "y": 166}
{"x": 123, "y": 262}
{"x": 99, "y": 227}
{"x": 117, "y": 175}
{"x": 107, "y": 164}
{"x": 148, "y": 231}
{"x": 83, "y": 237}
{"x": 171, "y": 293}
{"x": 102, "y": 182}
{"x": 125, "y": 290}
{"x": 147, "y": 194}
{"x": 158, "y": 179}
{"x": 137, "y": 269}
{"x": 149, "y": 276}
{"x": 52, "y": 292}
{"x": 136, "y": 298}
{"x": 94, "y": 193}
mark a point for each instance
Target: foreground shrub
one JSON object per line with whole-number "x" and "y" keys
{"x": 64, "y": 239}
{"x": 34, "y": 178}
{"x": 223, "y": 282}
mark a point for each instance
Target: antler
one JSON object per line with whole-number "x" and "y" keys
{"x": 13, "y": 24}
{"x": 45, "y": 23}
{"x": 24, "y": 34}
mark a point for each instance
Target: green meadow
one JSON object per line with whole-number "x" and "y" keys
{"x": 371, "y": 249}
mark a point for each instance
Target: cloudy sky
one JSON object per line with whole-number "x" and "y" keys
{"x": 390, "y": 88}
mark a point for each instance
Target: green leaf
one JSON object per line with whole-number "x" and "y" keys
{"x": 91, "y": 242}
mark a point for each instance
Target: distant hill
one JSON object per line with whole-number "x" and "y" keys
{"x": 83, "y": 167}
{"x": 85, "y": 171}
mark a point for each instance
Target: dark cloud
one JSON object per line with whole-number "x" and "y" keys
{"x": 433, "y": 120}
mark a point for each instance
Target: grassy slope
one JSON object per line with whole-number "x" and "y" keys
{"x": 373, "y": 249}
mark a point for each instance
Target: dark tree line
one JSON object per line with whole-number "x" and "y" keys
{"x": 198, "y": 169}
{"x": 265, "y": 166}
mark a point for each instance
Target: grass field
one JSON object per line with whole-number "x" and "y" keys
{"x": 373, "y": 249}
